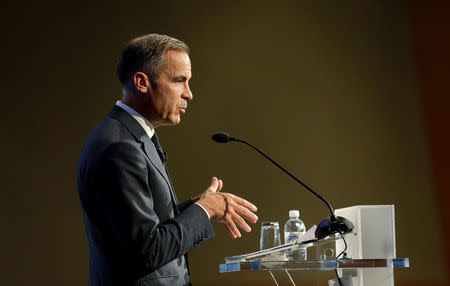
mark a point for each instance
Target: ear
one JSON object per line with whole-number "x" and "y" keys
{"x": 141, "y": 82}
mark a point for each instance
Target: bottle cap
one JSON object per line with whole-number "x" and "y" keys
{"x": 294, "y": 213}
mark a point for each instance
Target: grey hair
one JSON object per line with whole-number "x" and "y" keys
{"x": 146, "y": 54}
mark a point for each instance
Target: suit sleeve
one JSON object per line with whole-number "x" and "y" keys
{"x": 122, "y": 192}
{"x": 184, "y": 205}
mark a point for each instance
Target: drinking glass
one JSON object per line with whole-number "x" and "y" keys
{"x": 270, "y": 235}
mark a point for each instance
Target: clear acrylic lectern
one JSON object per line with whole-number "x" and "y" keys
{"x": 371, "y": 245}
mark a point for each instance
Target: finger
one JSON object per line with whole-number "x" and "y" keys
{"x": 241, "y": 223}
{"x": 230, "y": 231}
{"x": 233, "y": 227}
{"x": 214, "y": 184}
{"x": 220, "y": 186}
{"x": 245, "y": 203}
{"x": 244, "y": 212}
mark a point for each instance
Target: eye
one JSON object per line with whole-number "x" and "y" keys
{"x": 179, "y": 79}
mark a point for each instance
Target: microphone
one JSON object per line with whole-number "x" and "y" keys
{"x": 222, "y": 137}
{"x": 331, "y": 225}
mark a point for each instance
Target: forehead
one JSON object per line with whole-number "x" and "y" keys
{"x": 177, "y": 62}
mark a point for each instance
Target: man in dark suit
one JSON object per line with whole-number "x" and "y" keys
{"x": 137, "y": 231}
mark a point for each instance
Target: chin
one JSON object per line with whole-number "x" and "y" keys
{"x": 174, "y": 121}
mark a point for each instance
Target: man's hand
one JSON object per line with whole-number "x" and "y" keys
{"x": 227, "y": 208}
{"x": 216, "y": 186}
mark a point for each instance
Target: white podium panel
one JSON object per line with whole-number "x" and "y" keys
{"x": 373, "y": 237}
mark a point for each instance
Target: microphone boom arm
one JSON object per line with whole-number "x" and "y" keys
{"x": 331, "y": 225}
{"x": 288, "y": 173}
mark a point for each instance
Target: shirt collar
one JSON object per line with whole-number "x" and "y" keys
{"x": 144, "y": 122}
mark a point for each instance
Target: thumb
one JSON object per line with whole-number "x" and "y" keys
{"x": 220, "y": 185}
{"x": 214, "y": 184}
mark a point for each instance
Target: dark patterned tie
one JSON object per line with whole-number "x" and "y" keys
{"x": 161, "y": 153}
{"x": 163, "y": 157}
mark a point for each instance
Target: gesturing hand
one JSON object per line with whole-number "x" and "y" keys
{"x": 227, "y": 208}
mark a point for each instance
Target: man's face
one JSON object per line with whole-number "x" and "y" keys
{"x": 170, "y": 93}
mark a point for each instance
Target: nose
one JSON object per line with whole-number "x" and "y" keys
{"x": 187, "y": 94}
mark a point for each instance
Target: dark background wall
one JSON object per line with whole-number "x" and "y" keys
{"x": 330, "y": 90}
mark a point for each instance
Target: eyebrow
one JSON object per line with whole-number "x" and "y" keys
{"x": 180, "y": 77}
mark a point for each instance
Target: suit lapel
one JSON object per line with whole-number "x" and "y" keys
{"x": 149, "y": 148}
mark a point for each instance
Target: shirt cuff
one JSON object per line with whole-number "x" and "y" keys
{"x": 204, "y": 210}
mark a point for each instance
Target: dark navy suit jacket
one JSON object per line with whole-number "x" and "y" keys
{"x": 137, "y": 232}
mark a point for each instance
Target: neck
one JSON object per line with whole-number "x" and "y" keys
{"x": 141, "y": 106}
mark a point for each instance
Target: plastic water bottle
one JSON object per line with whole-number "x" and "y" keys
{"x": 293, "y": 230}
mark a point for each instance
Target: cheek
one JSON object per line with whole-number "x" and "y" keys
{"x": 172, "y": 102}
{"x": 169, "y": 100}
{"x": 169, "y": 109}
{"x": 165, "y": 100}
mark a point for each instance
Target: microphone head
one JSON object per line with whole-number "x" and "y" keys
{"x": 222, "y": 137}
{"x": 332, "y": 225}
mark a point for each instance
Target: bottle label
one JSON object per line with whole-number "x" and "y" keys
{"x": 292, "y": 237}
